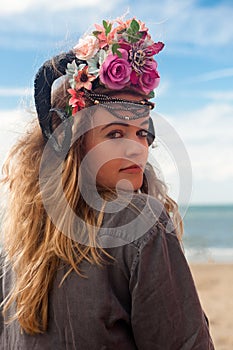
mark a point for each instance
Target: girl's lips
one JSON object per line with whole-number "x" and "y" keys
{"x": 133, "y": 169}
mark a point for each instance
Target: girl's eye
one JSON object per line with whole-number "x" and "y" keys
{"x": 142, "y": 133}
{"x": 115, "y": 134}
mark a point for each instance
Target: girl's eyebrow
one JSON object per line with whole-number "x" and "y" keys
{"x": 123, "y": 124}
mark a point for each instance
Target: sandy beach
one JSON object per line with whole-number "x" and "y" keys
{"x": 214, "y": 283}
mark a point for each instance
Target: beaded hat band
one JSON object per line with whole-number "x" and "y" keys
{"x": 121, "y": 108}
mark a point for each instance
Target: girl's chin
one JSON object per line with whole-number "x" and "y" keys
{"x": 126, "y": 185}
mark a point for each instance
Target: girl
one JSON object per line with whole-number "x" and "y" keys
{"x": 91, "y": 255}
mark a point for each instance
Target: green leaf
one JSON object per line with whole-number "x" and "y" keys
{"x": 133, "y": 32}
{"x": 115, "y": 50}
{"x": 133, "y": 38}
{"x": 108, "y": 30}
{"x": 130, "y": 31}
{"x": 115, "y": 47}
{"x": 151, "y": 94}
{"x": 107, "y": 27}
{"x": 105, "y": 24}
{"x": 134, "y": 25}
{"x": 68, "y": 110}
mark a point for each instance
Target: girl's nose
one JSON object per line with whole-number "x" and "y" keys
{"x": 132, "y": 147}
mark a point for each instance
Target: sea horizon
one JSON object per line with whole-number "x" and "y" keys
{"x": 208, "y": 232}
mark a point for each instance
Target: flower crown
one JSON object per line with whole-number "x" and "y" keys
{"x": 116, "y": 55}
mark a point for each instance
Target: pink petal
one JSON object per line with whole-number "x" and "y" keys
{"x": 154, "y": 49}
{"x": 72, "y": 92}
{"x": 134, "y": 78}
{"x": 99, "y": 27}
{"x": 87, "y": 85}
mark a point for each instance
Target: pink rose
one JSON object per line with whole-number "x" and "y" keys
{"x": 149, "y": 79}
{"x": 86, "y": 47}
{"x": 115, "y": 71}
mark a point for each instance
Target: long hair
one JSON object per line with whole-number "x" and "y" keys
{"x": 33, "y": 245}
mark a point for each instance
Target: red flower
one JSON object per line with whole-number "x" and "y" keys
{"x": 77, "y": 102}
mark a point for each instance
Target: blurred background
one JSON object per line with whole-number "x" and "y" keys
{"x": 195, "y": 98}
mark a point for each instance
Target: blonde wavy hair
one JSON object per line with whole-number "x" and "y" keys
{"x": 33, "y": 246}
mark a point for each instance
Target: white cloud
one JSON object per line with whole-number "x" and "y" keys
{"x": 219, "y": 95}
{"x": 203, "y": 26}
{"x": 184, "y": 22}
{"x": 12, "y": 7}
{"x": 214, "y": 95}
{"x": 163, "y": 88}
{"x": 36, "y": 24}
{"x": 12, "y": 91}
{"x": 9, "y": 118}
{"x": 179, "y": 23}
{"x": 207, "y": 134}
{"x": 13, "y": 124}
{"x": 213, "y": 75}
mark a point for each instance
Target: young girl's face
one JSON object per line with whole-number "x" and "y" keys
{"x": 116, "y": 150}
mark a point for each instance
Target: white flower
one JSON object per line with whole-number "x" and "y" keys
{"x": 96, "y": 62}
{"x": 72, "y": 71}
{"x": 86, "y": 47}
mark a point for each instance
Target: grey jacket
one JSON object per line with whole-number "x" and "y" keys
{"x": 145, "y": 299}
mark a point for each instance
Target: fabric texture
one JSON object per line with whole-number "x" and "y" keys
{"x": 145, "y": 299}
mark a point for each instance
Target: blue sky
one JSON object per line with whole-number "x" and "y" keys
{"x": 196, "y": 67}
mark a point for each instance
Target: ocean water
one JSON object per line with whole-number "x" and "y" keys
{"x": 209, "y": 233}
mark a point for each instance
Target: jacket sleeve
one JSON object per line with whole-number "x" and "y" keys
{"x": 166, "y": 312}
